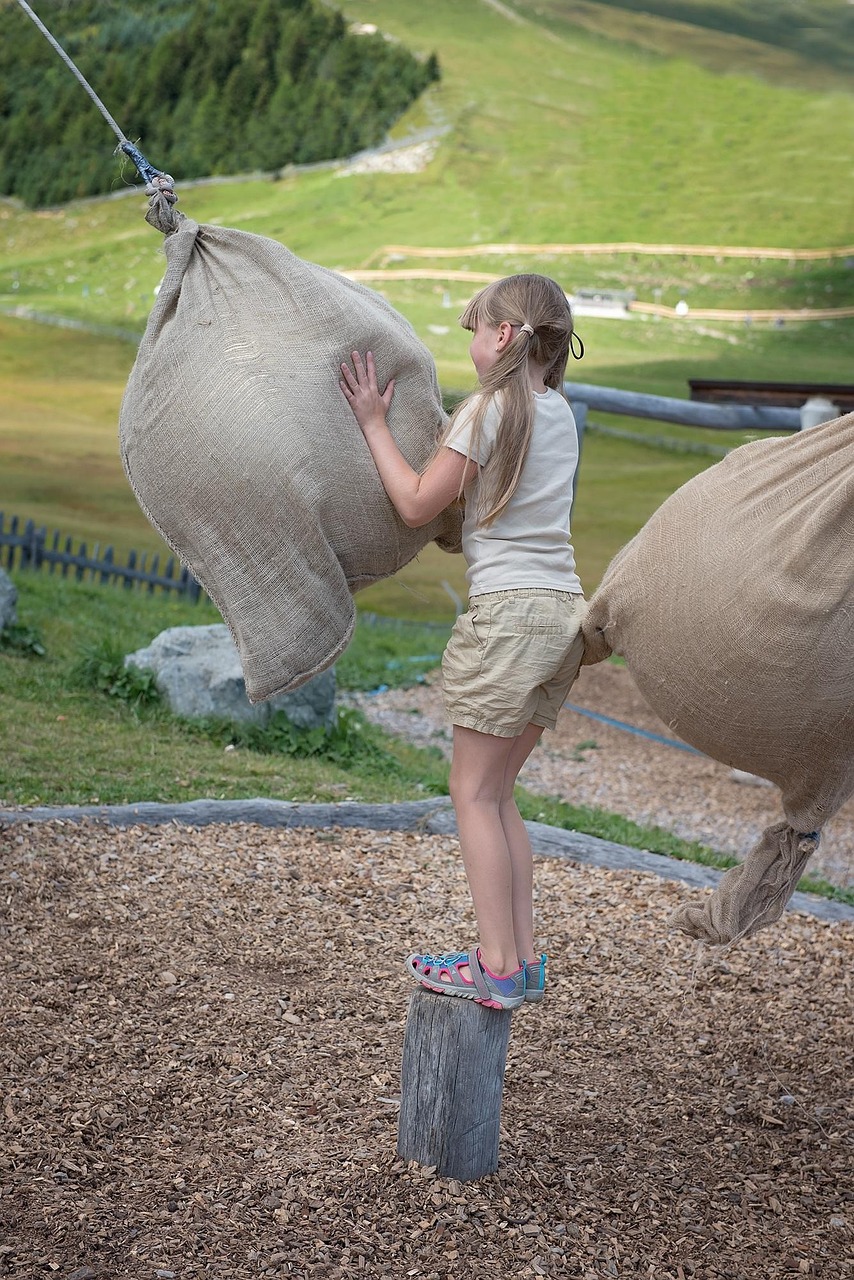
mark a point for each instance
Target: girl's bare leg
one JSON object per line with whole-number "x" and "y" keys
{"x": 519, "y": 845}
{"x": 497, "y": 858}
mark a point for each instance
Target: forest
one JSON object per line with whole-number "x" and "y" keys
{"x": 211, "y": 87}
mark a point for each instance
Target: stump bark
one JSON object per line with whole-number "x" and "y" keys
{"x": 452, "y": 1077}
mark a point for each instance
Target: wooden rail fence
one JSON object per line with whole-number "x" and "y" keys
{"x": 24, "y": 545}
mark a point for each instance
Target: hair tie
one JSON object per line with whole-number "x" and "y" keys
{"x": 574, "y": 337}
{"x": 526, "y": 328}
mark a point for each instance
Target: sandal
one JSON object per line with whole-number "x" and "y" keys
{"x": 535, "y": 979}
{"x": 442, "y": 974}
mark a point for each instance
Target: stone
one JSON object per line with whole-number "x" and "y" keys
{"x": 198, "y": 673}
{"x": 8, "y": 600}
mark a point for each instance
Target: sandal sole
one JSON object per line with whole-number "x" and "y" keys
{"x": 444, "y": 989}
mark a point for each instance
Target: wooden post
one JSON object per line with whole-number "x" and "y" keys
{"x": 452, "y": 1076}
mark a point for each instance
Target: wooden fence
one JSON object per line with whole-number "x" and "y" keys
{"x": 26, "y": 546}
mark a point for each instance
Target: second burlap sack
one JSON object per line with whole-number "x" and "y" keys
{"x": 244, "y": 454}
{"x": 734, "y": 610}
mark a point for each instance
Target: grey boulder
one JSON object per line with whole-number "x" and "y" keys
{"x": 8, "y": 600}
{"x": 198, "y": 672}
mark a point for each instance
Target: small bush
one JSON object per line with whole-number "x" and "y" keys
{"x": 349, "y": 740}
{"x": 22, "y": 640}
{"x": 102, "y": 667}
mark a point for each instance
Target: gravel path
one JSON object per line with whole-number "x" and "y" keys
{"x": 586, "y": 762}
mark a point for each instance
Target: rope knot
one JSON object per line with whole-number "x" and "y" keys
{"x": 161, "y": 183}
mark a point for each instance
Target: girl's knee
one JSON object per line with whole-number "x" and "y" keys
{"x": 466, "y": 790}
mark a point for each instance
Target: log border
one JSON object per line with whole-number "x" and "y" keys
{"x": 432, "y": 817}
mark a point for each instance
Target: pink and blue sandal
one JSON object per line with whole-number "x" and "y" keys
{"x": 443, "y": 975}
{"x": 535, "y": 979}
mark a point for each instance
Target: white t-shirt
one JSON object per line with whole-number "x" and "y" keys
{"x": 528, "y": 544}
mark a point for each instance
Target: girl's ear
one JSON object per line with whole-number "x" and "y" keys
{"x": 505, "y": 335}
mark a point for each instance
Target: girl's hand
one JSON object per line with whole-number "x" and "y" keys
{"x": 359, "y": 385}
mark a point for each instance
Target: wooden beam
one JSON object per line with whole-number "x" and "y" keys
{"x": 690, "y": 413}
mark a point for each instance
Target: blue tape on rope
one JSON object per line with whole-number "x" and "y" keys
{"x": 146, "y": 171}
{"x": 631, "y": 728}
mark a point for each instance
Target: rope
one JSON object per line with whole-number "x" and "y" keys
{"x": 65, "y": 58}
{"x": 158, "y": 183}
{"x": 632, "y": 728}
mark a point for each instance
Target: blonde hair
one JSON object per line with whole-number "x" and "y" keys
{"x": 542, "y": 306}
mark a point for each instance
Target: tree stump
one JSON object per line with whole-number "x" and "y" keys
{"x": 452, "y": 1076}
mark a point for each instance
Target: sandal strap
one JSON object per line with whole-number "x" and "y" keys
{"x": 476, "y": 970}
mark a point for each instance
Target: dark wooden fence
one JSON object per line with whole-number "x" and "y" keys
{"x": 23, "y": 545}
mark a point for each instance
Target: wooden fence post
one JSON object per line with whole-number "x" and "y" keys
{"x": 452, "y": 1077}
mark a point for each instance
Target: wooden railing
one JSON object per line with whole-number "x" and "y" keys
{"x": 688, "y": 413}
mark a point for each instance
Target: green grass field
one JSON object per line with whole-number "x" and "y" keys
{"x": 84, "y": 746}
{"x": 60, "y": 392}
{"x": 589, "y": 139}
{"x": 581, "y": 123}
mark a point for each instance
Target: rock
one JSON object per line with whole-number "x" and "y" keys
{"x": 198, "y": 672}
{"x": 8, "y": 600}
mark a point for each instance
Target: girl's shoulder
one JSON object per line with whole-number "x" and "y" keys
{"x": 552, "y": 404}
{"x": 483, "y": 406}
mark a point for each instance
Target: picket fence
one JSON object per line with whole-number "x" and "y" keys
{"x": 24, "y": 545}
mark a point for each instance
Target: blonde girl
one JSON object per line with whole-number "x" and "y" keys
{"x": 511, "y": 450}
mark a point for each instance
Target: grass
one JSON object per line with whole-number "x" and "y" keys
{"x": 770, "y": 39}
{"x": 687, "y": 29}
{"x": 98, "y": 736}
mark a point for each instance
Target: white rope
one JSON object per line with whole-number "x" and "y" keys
{"x": 65, "y": 58}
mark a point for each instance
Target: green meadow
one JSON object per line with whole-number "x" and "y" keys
{"x": 555, "y": 122}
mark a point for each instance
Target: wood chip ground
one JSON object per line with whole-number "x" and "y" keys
{"x": 201, "y": 1040}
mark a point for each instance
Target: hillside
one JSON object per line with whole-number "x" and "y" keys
{"x": 217, "y": 85}
{"x": 589, "y": 140}
{"x": 535, "y": 136}
{"x": 821, "y": 31}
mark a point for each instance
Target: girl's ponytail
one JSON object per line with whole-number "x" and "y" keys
{"x": 539, "y": 307}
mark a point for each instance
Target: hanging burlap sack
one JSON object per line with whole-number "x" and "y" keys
{"x": 734, "y": 610}
{"x": 245, "y": 456}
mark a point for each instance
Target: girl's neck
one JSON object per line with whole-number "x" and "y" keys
{"x": 535, "y": 377}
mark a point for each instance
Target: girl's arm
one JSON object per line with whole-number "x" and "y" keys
{"x": 416, "y": 498}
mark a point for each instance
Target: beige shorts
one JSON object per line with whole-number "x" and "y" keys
{"x": 512, "y": 659}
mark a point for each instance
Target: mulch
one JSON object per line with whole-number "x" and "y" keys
{"x": 201, "y": 1042}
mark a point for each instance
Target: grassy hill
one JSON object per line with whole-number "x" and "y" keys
{"x": 555, "y": 122}
{"x": 820, "y": 32}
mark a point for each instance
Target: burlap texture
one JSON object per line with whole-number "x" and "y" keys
{"x": 734, "y": 610}
{"x": 244, "y": 454}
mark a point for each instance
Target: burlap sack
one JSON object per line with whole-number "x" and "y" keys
{"x": 245, "y": 456}
{"x": 734, "y": 610}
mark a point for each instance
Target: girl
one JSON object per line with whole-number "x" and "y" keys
{"x": 511, "y": 449}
